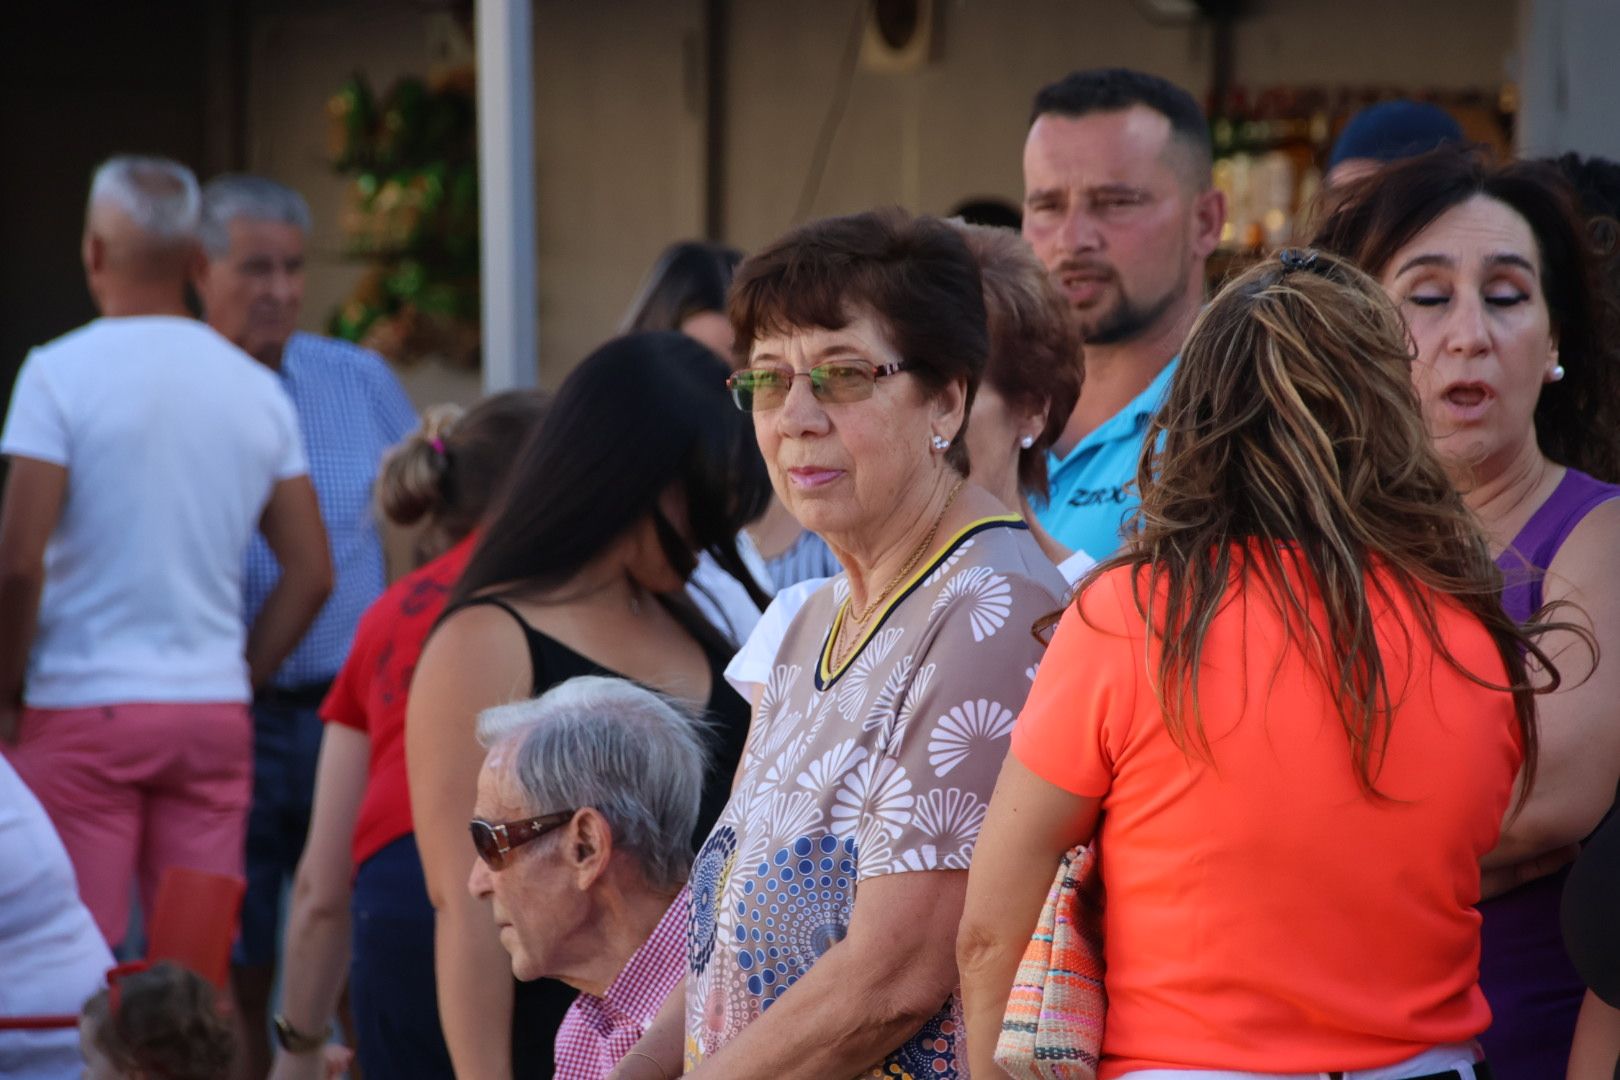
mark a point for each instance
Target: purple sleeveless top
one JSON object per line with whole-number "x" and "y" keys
{"x": 1527, "y": 977}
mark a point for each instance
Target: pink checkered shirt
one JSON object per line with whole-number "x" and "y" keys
{"x": 598, "y": 1031}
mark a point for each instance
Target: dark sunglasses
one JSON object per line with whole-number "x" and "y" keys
{"x": 760, "y": 389}
{"x": 497, "y": 840}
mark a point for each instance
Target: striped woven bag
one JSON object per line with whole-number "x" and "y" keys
{"x": 1054, "y": 1023}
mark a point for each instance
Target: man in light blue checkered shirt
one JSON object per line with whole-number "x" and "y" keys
{"x": 350, "y": 410}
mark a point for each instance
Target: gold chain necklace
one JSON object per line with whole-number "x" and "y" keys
{"x": 854, "y": 620}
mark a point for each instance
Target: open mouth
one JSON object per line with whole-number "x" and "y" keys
{"x": 1467, "y": 401}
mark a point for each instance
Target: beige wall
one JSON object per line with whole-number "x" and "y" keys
{"x": 619, "y": 118}
{"x": 954, "y": 129}
{"x": 1571, "y": 81}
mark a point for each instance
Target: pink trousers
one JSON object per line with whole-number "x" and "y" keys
{"x": 135, "y": 789}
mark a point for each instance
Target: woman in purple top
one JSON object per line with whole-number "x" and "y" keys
{"x": 1516, "y": 371}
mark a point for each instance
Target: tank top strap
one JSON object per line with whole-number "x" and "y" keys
{"x": 1526, "y": 560}
{"x": 533, "y": 639}
{"x": 1576, "y": 495}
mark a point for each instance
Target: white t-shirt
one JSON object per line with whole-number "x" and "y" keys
{"x": 51, "y": 953}
{"x": 724, "y": 600}
{"x": 750, "y": 669}
{"x": 172, "y": 439}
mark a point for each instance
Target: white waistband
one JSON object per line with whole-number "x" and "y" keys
{"x": 1459, "y": 1056}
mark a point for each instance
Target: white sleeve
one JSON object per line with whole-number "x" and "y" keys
{"x": 751, "y": 667}
{"x": 1075, "y": 566}
{"x": 35, "y": 427}
{"x": 291, "y": 460}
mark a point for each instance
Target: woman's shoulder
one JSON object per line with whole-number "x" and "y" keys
{"x": 1002, "y": 546}
{"x": 1587, "y": 552}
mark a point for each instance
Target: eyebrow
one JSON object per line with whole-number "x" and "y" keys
{"x": 1505, "y": 258}
{"x": 819, "y": 355}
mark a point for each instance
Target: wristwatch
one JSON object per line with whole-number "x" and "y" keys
{"x": 297, "y": 1042}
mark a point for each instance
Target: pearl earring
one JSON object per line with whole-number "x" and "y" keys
{"x": 1027, "y": 441}
{"x": 940, "y": 442}
{"x": 1558, "y": 373}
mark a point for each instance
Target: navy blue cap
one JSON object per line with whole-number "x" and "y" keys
{"x": 1392, "y": 130}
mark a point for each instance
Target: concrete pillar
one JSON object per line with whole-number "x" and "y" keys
{"x": 506, "y": 194}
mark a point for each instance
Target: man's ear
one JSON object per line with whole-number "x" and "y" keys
{"x": 589, "y": 847}
{"x": 197, "y": 271}
{"x": 94, "y": 252}
{"x": 1208, "y": 218}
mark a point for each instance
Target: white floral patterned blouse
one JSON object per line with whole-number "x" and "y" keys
{"x": 881, "y": 767}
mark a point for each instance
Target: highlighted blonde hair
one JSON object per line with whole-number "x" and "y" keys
{"x": 1292, "y": 435}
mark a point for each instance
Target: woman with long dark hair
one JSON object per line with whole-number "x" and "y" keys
{"x": 1289, "y": 714}
{"x": 641, "y": 464}
{"x": 1517, "y": 368}
{"x": 686, "y": 290}
{"x": 360, "y": 908}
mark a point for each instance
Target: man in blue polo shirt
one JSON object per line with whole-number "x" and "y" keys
{"x": 350, "y": 410}
{"x": 1119, "y": 205}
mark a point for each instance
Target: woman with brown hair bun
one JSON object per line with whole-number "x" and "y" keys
{"x": 1517, "y": 367}
{"x": 360, "y": 906}
{"x": 1289, "y": 713}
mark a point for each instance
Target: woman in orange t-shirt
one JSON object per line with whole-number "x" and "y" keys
{"x": 1290, "y": 713}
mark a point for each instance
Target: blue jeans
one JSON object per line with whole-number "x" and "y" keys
{"x": 286, "y": 746}
{"x": 391, "y": 990}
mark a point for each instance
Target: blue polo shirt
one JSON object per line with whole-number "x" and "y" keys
{"x": 1093, "y": 488}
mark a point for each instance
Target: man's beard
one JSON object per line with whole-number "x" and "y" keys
{"x": 1129, "y": 320}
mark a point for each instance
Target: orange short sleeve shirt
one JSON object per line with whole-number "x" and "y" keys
{"x": 1263, "y": 913}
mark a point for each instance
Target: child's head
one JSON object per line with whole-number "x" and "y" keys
{"x": 162, "y": 1023}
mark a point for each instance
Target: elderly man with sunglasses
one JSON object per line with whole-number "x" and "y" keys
{"x": 586, "y": 806}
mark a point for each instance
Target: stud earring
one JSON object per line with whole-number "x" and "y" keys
{"x": 940, "y": 442}
{"x": 1027, "y": 441}
{"x": 1558, "y": 373}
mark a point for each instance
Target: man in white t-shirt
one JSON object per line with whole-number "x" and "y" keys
{"x": 144, "y": 451}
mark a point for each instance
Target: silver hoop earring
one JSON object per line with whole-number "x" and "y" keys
{"x": 940, "y": 442}
{"x": 1027, "y": 441}
{"x": 1558, "y": 373}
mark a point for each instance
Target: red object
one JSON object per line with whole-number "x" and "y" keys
{"x": 193, "y": 924}
{"x": 369, "y": 694}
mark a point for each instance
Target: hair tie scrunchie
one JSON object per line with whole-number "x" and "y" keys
{"x": 1298, "y": 259}
{"x": 438, "y": 445}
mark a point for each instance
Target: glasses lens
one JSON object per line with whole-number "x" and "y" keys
{"x": 760, "y": 389}
{"x": 483, "y": 838}
{"x": 842, "y": 381}
{"x": 742, "y": 391}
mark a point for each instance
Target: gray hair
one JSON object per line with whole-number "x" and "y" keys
{"x": 631, "y": 755}
{"x": 160, "y": 196}
{"x": 255, "y": 198}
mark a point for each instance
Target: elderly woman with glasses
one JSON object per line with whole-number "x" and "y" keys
{"x": 824, "y": 903}
{"x": 586, "y": 805}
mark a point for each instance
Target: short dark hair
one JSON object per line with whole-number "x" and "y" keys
{"x": 1577, "y": 419}
{"x": 1094, "y": 90}
{"x": 1035, "y": 356}
{"x": 689, "y": 278}
{"x": 914, "y": 274}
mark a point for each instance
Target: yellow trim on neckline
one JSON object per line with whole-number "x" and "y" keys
{"x": 826, "y": 675}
